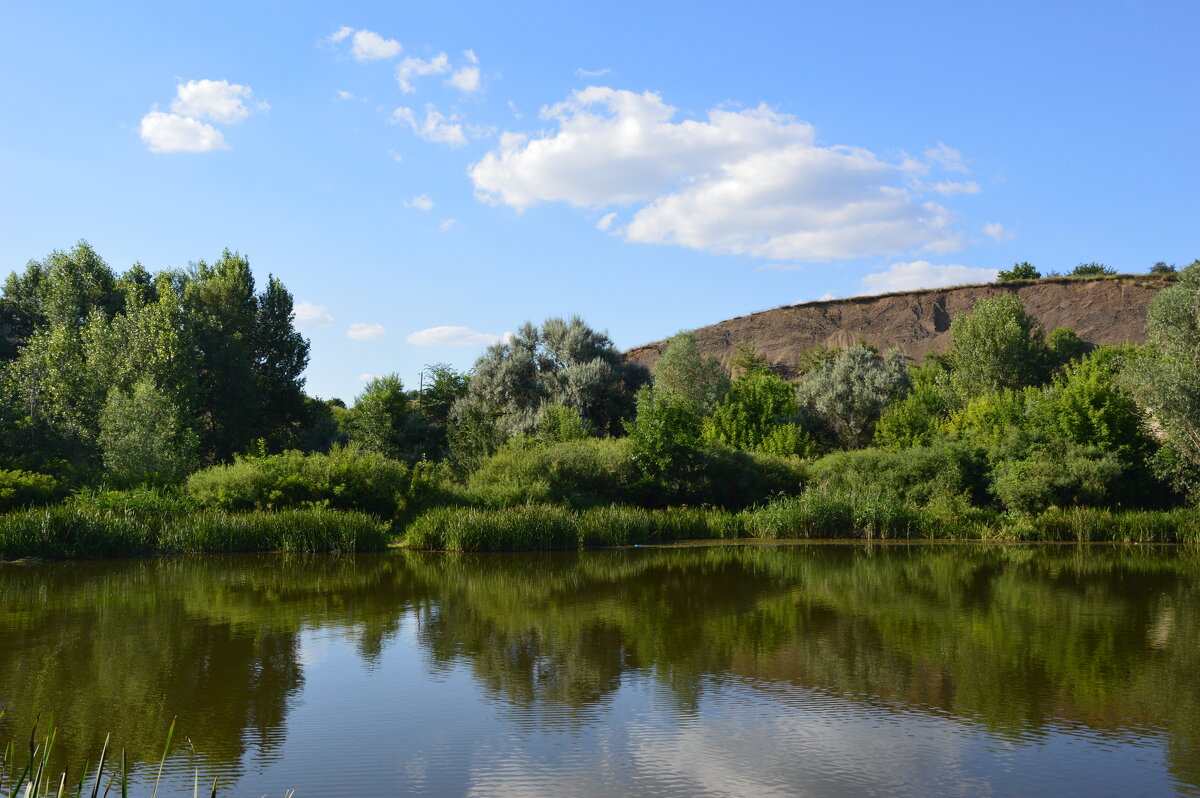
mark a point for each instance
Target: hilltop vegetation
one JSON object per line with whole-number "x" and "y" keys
{"x": 141, "y": 398}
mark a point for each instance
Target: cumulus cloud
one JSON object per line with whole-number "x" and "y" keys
{"x": 214, "y": 100}
{"x": 174, "y": 133}
{"x": 451, "y": 336}
{"x": 411, "y": 68}
{"x": 751, "y": 182}
{"x": 183, "y": 130}
{"x": 421, "y": 202}
{"x": 361, "y": 331}
{"x": 434, "y": 127}
{"x": 606, "y": 221}
{"x": 923, "y": 274}
{"x": 998, "y": 231}
{"x": 310, "y": 316}
{"x": 367, "y": 45}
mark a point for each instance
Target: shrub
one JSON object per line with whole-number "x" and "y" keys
{"x": 1058, "y": 476}
{"x": 1019, "y": 271}
{"x": 26, "y": 489}
{"x": 347, "y": 478}
{"x": 917, "y": 475}
{"x": 578, "y": 473}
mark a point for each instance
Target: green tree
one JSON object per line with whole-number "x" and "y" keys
{"x": 1165, "y": 377}
{"x": 681, "y": 369}
{"x": 1161, "y": 267}
{"x": 996, "y": 346}
{"x": 665, "y": 437}
{"x": 564, "y": 362}
{"x": 1019, "y": 271}
{"x": 915, "y": 419}
{"x": 758, "y": 414}
{"x": 143, "y": 439}
{"x": 845, "y": 395}
{"x": 1065, "y": 346}
{"x": 444, "y": 385}
{"x": 377, "y": 420}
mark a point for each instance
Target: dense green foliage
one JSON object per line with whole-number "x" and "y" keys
{"x": 345, "y": 478}
{"x": 136, "y": 380}
{"x": 1019, "y": 271}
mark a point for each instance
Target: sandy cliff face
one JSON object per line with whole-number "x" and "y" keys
{"x": 1101, "y": 311}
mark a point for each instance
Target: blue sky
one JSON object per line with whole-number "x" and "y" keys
{"x": 426, "y": 176}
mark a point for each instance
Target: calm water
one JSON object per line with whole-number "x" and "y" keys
{"x": 820, "y": 670}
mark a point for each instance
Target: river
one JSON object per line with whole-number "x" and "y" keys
{"x": 736, "y": 670}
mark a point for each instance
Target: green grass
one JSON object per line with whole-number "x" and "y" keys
{"x": 69, "y": 531}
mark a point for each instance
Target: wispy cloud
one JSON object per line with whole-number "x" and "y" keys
{"x": 421, "y": 202}
{"x": 451, "y": 336}
{"x": 361, "y": 331}
{"x": 311, "y": 317}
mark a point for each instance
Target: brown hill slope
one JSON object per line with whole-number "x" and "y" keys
{"x": 1109, "y": 310}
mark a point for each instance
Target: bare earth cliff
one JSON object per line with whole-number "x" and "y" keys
{"x": 1101, "y": 311}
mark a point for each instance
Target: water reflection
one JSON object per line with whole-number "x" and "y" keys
{"x": 701, "y": 670}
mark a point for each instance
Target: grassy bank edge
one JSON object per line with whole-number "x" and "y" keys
{"x": 540, "y": 527}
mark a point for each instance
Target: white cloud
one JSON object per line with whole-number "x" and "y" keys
{"x": 421, "y": 202}
{"x": 367, "y": 377}
{"x": 592, "y": 73}
{"x": 606, "y": 221}
{"x": 948, "y": 158}
{"x": 750, "y": 182}
{"x": 345, "y": 95}
{"x": 923, "y": 274}
{"x": 174, "y": 133}
{"x": 447, "y": 225}
{"x": 516, "y": 112}
{"x": 364, "y": 332}
{"x": 998, "y": 231}
{"x": 948, "y": 187}
{"x": 451, "y": 336}
{"x": 310, "y": 316}
{"x": 183, "y": 131}
{"x": 411, "y": 68}
{"x": 214, "y": 100}
{"x": 435, "y": 127}
{"x": 367, "y": 45}
{"x": 395, "y": 156}
{"x": 465, "y": 79}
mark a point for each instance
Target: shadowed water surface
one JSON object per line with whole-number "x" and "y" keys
{"x": 822, "y": 670}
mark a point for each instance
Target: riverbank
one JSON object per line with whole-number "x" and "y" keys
{"x": 87, "y": 529}
{"x": 75, "y": 531}
{"x": 810, "y": 515}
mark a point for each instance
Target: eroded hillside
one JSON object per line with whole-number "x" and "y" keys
{"x": 1102, "y": 311}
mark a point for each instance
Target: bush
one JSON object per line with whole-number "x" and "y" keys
{"x": 1019, "y": 271}
{"x": 828, "y": 513}
{"x": 26, "y": 489}
{"x": 578, "y": 473}
{"x": 1058, "y": 476}
{"x": 917, "y": 475}
{"x": 347, "y": 478}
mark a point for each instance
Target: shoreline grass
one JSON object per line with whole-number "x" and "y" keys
{"x": 812, "y": 515}
{"x": 81, "y": 531}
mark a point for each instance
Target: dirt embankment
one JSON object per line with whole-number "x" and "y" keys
{"x": 1101, "y": 311}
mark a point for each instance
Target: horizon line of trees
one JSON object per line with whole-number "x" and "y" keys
{"x": 142, "y": 378}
